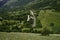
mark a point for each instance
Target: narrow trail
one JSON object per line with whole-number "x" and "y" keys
{"x": 34, "y": 18}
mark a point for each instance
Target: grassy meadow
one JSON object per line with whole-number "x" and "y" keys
{"x": 27, "y": 36}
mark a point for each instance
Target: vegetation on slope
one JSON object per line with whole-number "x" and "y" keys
{"x": 14, "y": 18}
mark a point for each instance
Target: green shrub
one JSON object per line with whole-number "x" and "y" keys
{"x": 26, "y": 30}
{"x": 46, "y": 31}
{"x": 36, "y": 30}
{"x": 4, "y": 28}
{"x": 31, "y": 30}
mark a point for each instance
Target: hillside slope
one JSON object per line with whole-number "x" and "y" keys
{"x": 17, "y": 10}
{"x": 33, "y": 4}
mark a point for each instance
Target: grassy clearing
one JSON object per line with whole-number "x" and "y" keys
{"x": 27, "y": 36}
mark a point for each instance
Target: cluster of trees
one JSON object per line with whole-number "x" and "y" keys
{"x": 17, "y": 22}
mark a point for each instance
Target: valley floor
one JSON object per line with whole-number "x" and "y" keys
{"x": 27, "y": 36}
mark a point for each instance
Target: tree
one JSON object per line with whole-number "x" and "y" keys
{"x": 46, "y": 31}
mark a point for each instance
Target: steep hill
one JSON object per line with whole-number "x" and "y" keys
{"x": 2, "y": 2}
{"x": 17, "y": 10}
{"x": 33, "y": 4}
